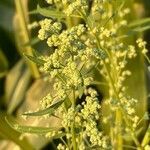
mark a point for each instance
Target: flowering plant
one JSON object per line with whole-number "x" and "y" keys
{"x": 89, "y": 53}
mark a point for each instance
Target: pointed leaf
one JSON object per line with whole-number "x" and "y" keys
{"x": 48, "y": 110}
{"x": 142, "y": 29}
{"x": 6, "y": 132}
{"x": 48, "y": 12}
{"x": 35, "y": 59}
{"x": 80, "y": 91}
{"x": 29, "y": 129}
{"x": 139, "y": 22}
{"x": 32, "y": 42}
{"x": 20, "y": 90}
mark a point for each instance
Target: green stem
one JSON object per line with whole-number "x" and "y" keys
{"x": 73, "y": 123}
{"x": 21, "y": 14}
{"x": 146, "y": 138}
{"x": 119, "y": 140}
{"x": 135, "y": 139}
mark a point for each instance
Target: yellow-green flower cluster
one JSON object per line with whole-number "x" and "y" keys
{"x": 142, "y": 45}
{"x": 76, "y": 6}
{"x": 68, "y": 118}
{"x": 91, "y": 105}
{"x": 85, "y": 117}
{"x": 48, "y": 28}
{"x": 90, "y": 114}
{"x": 61, "y": 147}
{"x": 69, "y": 50}
{"x": 46, "y": 101}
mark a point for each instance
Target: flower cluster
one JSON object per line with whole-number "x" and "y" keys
{"x": 48, "y": 28}
{"x": 142, "y": 45}
{"x": 88, "y": 113}
{"x": 77, "y": 50}
{"x": 69, "y": 50}
{"x": 76, "y": 6}
{"x": 46, "y": 101}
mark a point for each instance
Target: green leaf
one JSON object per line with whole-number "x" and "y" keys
{"x": 48, "y": 110}
{"x": 142, "y": 29}
{"x": 6, "y": 132}
{"x": 36, "y": 53}
{"x": 48, "y": 12}
{"x": 140, "y": 25}
{"x": 139, "y": 22}
{"x": 32, "y": 42}
{"x": 80, "y": 91}
{"x": 17, "y": 82}
{"x": 30, "y": 129}
{"x": 34, "y": 59}
{"x": 59, "y": 135}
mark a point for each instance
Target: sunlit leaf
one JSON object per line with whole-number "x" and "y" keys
{"x": 6, "y": 132}
{"x": 17, "y": 83}
{"x": 48, "y": 12}
{"x": 30, "y": 129}
{"x": 48, "y": 110}
{"x": 142, "y": 29}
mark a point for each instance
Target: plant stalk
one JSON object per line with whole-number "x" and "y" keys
{"x": 25, "y": 36}
{"x": 73, "y": 124}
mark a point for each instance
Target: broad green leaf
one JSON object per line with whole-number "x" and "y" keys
{"x": 34, "y": 59}
{"x": 30, "y": 129}
{"x": 48, "y": 110}
{"x": 17, "y": 82}
{"x": 6, "y": 132}
{"x": 48, "y": 12}
{"x": 139, "y": 22}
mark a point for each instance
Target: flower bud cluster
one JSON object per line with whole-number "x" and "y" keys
{"x": 48, "y": 28}
{"x": 90, "y": 113}
{"x": 142, "y": 45}
{"x": 46, "y": 101}
{"x": 76, "y": 6}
